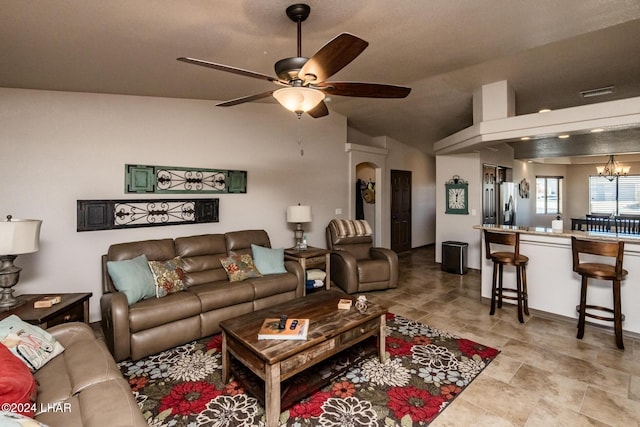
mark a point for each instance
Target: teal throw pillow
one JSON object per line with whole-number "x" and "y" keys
{"x": 133, "y": 278}
{"x": 267, "y": 260}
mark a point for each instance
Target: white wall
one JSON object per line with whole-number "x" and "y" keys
{"x": 59, "y": 147}
{"x": 577, "y": 199}
{"x": 525, "y": 207}
{"x": 367, "y": 172}
{"x": 386, "y": 154}
{"x": 459, "y": 227}
{"x": 423, "y": 189}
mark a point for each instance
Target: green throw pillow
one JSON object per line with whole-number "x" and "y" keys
{"x": 133, "y": 278}
{"x": 267, "y": 260}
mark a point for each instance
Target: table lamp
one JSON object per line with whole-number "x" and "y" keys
{"x": 298, "y": 215}
{"x": 17, "y": 236}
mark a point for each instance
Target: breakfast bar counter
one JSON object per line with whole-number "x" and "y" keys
{"x": 553, "y": 287}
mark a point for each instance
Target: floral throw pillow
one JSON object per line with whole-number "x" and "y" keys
{"x": 239, "y": 267}
{"x": 168, "y": 276}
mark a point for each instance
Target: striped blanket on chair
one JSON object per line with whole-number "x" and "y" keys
{"x": 351, "y": 227}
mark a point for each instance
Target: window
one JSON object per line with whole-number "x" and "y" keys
{"x": 548, "y": 195}
{"x": 618, "y": 197}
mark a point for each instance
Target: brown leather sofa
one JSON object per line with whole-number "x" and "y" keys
{"x": 358, "y": 266}
{"x": 83, "y": 386}
{"x": 156, "y": 324}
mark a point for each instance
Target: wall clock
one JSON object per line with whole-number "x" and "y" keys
{"x": 457, "y": 196}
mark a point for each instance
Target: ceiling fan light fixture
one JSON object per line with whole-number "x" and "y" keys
{"x": 298, "y": 99}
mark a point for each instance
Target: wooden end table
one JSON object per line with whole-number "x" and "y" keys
{"x": 72, "y": 308}
{"x": 311, "y": 258}
{"x": 330, "y": 331}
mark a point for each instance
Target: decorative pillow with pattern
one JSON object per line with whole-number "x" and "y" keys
{"x": 239, "y": 267}
{"x": 168, "y": 276}
{"x": 33, "y": 345}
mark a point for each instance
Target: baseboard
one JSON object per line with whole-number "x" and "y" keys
{"x": 574, "y": 321}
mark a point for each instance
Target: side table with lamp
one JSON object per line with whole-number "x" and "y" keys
{"x": 17, "y": 237}
{"x": 307, "y": 256}
{"x": 22, "y": 236}
{"x": 299, "y": 215}
{"x": 311, "y": 258}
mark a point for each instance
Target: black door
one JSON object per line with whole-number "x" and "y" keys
{"x": 400, "y": 210}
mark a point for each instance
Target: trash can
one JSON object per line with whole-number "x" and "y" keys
{"x": 454, "y": 257}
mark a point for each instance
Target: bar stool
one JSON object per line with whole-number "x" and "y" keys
{"x": 502, "y": 258}
{"x": 598, "y": 270}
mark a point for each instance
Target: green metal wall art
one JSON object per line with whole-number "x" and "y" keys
{"x": 174, "y": 179}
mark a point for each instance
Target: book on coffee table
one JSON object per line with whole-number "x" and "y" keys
{"x": 295, "y": 329}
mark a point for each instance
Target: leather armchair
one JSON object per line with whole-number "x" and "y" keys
{"x": 358, "y": 266}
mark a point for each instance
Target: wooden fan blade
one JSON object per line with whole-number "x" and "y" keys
{"x": 364, "y": 90}
{"x": 244, "y": 99}
{"x": 319, "y": 110}
{"x": 332, "y": 57}
{"x": 229, "y": 69}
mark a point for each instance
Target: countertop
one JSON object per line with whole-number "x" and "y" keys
{"x": 593, "y": 235}
{"x": 554, "y": 288}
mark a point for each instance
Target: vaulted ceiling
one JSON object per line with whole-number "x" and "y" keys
{"x": 548, "y": 50}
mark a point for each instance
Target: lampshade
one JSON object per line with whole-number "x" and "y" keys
{"x": 299, "y": 214}
{"x": 298, "y": 99}
{"x": 19, "y": 236}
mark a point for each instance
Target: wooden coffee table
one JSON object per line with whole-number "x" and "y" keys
{"x": 330, "y": 331}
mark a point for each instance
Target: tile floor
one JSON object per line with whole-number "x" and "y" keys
{"x": 543, "y": 376}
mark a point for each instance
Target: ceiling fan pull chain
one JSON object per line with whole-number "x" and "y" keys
{"x": 300, "y": 139}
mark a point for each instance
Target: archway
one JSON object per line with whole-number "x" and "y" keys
{"x": 365, "y": 193}
{"x": 371, "y": 162}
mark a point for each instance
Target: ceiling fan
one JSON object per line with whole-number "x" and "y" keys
{"x": 304, "y": 79}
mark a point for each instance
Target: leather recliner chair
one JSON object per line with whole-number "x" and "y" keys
{"x": 356, "y": 265}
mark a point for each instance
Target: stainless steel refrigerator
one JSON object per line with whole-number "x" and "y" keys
{"x": 507, "y": 203}
{"x": 499, "y": 196}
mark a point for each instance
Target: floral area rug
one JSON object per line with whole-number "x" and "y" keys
{"x": 426, "y": 369}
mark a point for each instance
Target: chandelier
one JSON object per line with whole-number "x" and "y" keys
{"x": 612, "y": 169}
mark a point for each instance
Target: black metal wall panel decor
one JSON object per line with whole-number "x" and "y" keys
{"x": 174, "y": 179}
{"x": 116, "y": 214}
